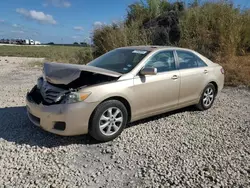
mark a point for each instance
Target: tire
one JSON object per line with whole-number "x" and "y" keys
{"x": 108, "y": 120}
{"x": 207, "y": 97}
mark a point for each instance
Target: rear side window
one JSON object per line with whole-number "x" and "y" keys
{"x": 200, "y": 62}
{"x": 189, "y": 60}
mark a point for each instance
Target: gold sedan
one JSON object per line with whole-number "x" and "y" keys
{"x": 123, "y": 85}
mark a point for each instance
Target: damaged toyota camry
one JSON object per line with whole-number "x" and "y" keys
{"x": 121, "y": 86}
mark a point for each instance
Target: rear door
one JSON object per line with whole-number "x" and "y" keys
{"x": 156, "y": 93}
{"x": 193, "y": 74}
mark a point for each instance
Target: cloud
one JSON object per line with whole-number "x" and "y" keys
{"x": 75, "y": 37}
{"x": 1, "y": 21}
{"x": 98, "y": 24}
{"x": 15, "y": 25}
{"x": 37, "y": 16}
{"x": 57, "y": 3}
{"x": 35, "y": 33}
{"x": 78, "y": 28}
{"x": 20, "y": 32}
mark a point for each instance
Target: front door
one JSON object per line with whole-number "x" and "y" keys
{"x": 157, "y": 93}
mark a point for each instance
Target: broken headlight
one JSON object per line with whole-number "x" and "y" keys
{"x": 77, "y": 96}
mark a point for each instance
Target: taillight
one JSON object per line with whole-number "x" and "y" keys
{"x": 222, "y": 71}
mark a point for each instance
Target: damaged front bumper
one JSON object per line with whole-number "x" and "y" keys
{"x": 61, "y": 119}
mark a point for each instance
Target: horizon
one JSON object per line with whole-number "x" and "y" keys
{"x": 63, "y": 21}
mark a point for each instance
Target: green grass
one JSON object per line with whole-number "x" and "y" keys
{"x": 66, "y": 54}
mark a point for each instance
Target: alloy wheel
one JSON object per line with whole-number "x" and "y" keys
{"x": 208, "y": 97}
{"x": 111, "y": 121}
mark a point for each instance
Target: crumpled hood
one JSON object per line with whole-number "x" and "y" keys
{"x": 60, "y": 73}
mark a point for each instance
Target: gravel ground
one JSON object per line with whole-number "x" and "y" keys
{"x": 185, "y": 148}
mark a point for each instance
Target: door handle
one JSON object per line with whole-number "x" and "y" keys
{"x": 205, "y": 71}
{"x": 174, "y": 77}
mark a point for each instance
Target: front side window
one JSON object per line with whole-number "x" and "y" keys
{"x": 163, "y": 61}
{"x": 120, "y": 60}
{"x": 189, "y": 60}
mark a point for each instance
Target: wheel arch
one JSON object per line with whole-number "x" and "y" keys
{"x": 118, "y": 98}
{"x": 210, "y": 82}
{"x": 215, "y": 86}
{"x": 124, "y": 102}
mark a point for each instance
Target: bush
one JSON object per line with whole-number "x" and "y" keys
{"x": 214, "y": 29}
{"x": 109, "y": 37}
{"x": 237, "y": 71}
{"x": 244, "y": 45}
{"x": 82, "y": 56}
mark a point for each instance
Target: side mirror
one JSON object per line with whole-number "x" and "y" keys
{"x": 148, "y": 71}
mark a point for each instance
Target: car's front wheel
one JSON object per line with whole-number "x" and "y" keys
{"x": 108, "y": 120}
{"x": 207, "y": 97}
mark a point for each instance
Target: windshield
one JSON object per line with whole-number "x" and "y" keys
{"x": 120, "y": 60}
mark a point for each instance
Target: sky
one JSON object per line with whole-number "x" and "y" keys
{"x": 62, "y": 21}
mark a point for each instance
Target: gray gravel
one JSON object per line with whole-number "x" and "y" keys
{"x": 185, "y": 148}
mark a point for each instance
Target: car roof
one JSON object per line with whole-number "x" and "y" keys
{"x": 154, "y": 48}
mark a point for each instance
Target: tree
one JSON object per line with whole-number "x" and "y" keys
{"x": 164, "y": 29}
{"x": 136, "y": 12}
{"x": 85, "y": 44}
{"x": 154, "y": 8}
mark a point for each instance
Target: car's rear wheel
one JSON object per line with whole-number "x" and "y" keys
{"x": 207, "y": 97}
{"x": 108, "y": 120}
